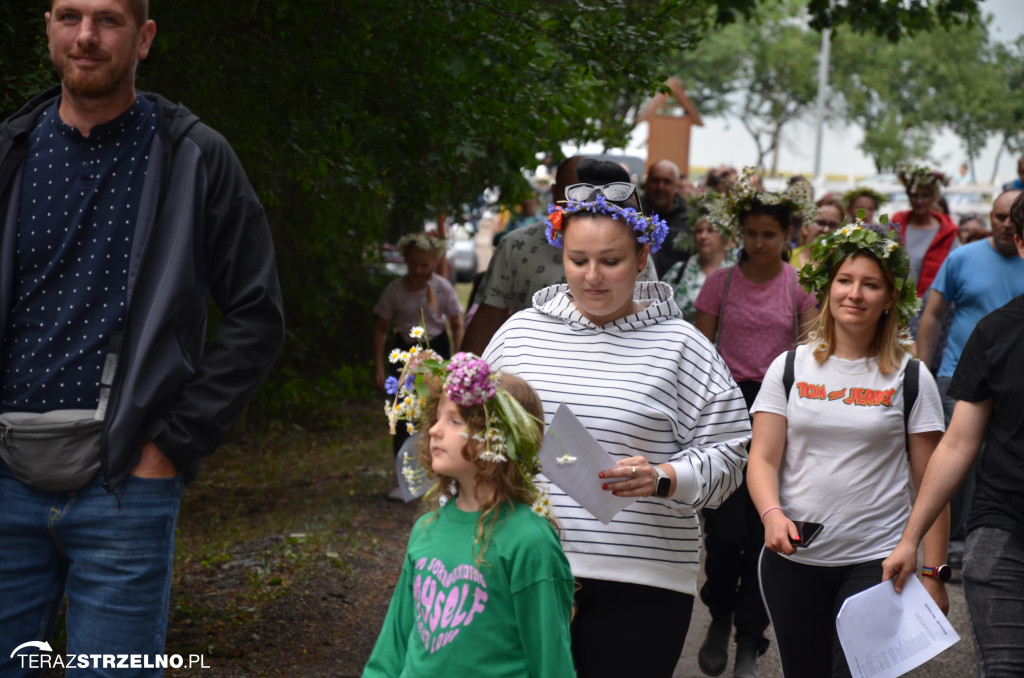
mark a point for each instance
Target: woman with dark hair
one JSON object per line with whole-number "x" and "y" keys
{"x": 862, "y": 198}
{"x": 830, "y": 446}
{"x": 971, "y": 228}
{"x": 655, "y": 394}
{"x": 830, "y": 216}
{"x": 712, "y": 252}
{"x": 754, "y": 310}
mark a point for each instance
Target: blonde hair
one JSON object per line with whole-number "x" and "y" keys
{"x": 885, "y": 345}
{"x": 498, "y": 484}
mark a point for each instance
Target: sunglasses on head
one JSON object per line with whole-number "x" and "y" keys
{"x": 617, "y": 191}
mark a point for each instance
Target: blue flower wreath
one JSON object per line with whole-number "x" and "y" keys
{"x": 647, "y": 230}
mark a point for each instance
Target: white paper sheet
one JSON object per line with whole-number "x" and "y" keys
{"x": 884, "y": 634}
{"x": 571, "y": 459}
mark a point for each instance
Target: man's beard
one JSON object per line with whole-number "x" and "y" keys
{"x": 1004, "y": 248}
{"x": 92, "y": 84}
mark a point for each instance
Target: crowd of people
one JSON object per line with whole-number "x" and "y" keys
{"x": 754, "y": 362}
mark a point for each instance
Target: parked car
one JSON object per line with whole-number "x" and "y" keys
{"x": 462, "y": 257}
{"x": 394, "y": 264}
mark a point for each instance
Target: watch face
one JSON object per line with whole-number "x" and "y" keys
{"x": 661, "y": 489}
{"x": 944, "y": 572}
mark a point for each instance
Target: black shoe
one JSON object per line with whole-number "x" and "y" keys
{"x": 746, "y": 659}
{"x": 714, "y": 652}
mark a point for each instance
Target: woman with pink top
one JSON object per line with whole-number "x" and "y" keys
{"x": 754, "y": 311}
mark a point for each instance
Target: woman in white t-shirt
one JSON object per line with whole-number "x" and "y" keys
{"x": 833, "y": 449}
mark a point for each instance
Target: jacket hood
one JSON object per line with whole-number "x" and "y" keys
{"x": 656, "y": 300}
{"x": 179, "y": 120}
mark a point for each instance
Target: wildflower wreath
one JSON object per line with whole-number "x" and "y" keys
{"x": 864, "y": 192}
{"x": 725, "y": 209}
{"x": 912, "y": 176}
{"x": 421, "y": 241}
{"x": 652, "y": 230}
{"x": 830, "y": 250}
{"x": 509, "y": 434}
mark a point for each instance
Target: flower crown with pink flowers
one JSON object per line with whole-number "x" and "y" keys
{"x": 509, "y": 432}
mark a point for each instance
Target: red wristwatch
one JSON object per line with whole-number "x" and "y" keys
{"x": 940, "y": 572}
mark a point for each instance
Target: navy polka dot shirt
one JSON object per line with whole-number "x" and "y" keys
{"x": 79, "y": 204}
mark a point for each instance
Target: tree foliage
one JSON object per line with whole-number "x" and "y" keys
{"x": 892, "y": 19}
{"x": 882, "y": 90}
{"x": 902, "y": 95}
{"x": 1010, "y": 62}
{"x": 761, "y": 70}
{"x": 355, "y": 119}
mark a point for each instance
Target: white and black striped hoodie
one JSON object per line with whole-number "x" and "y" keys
{"x": 647, "y": 384}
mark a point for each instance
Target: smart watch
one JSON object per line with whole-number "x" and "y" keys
{"x": 941, "y": 572}
{"x": 662, "y": 484}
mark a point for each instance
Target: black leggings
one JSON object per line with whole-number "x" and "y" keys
{"x": 733, "y": 538}
{"x": 628, "y": 630}
{"x": 803, "y": 601}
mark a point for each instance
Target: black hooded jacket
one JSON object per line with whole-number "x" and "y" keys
{"x": 201, "y": 231}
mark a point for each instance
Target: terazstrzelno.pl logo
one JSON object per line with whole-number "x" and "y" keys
{"x": 35, "y": 655}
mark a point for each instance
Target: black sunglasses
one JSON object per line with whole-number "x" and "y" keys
{"x": 617, "y": 191}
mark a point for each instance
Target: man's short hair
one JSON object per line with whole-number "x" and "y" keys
{"x": 138, "y": 9}
{"x": 1017, "y": 215}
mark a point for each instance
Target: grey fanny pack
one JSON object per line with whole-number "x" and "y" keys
{"x": 55, "y": 451}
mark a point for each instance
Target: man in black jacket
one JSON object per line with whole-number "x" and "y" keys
{"x": 662, "y": 197}
{"x": 120, "y": 213}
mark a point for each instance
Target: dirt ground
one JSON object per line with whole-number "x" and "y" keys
{"x": 324, "y": 624}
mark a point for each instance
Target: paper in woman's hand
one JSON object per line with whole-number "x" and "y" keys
{"x": 571, "y": 459}
{"x": 884, "y": 634}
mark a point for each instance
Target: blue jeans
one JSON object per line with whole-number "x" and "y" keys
{"x": 993, "y": 576}
{"x": 110, "y": 554}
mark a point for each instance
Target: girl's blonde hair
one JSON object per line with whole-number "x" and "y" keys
{"x": 498, "y": 484}
{"x": 885, "y": 345}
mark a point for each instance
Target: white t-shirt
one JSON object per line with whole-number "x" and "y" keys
{"x": 845, "y": 464}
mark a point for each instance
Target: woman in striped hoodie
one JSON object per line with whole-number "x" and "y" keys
{"x": 655, "y": 394}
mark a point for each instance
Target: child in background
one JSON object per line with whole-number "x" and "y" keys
{"x": 420, "y": 297}
{"x": 485, "y": 588}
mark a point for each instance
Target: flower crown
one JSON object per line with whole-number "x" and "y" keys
{"x": 421, "y": 241}
{"x": 864, "y": 192}
{"x": 912, "y": 176}
{"x": 725, "y": 209}
{"x": 697, "y": 209}
{"x": 509, "y": 434}
{"x": 830, "y": 250}
{"x": 646, "y": 230}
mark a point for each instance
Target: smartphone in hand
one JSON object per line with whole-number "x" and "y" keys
{"x": 808, "y": 532}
